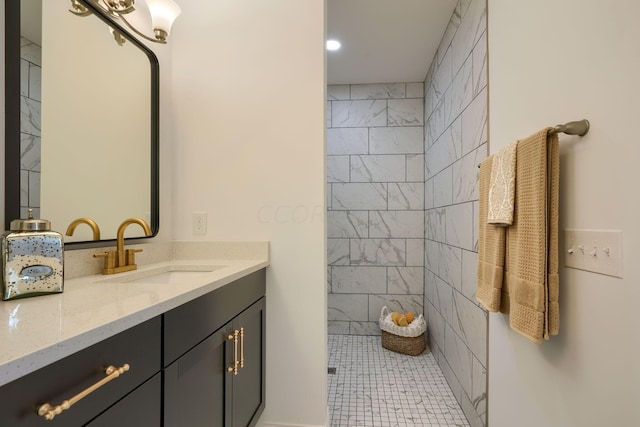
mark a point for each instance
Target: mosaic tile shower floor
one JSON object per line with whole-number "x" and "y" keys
{"x": 375, "y": 387}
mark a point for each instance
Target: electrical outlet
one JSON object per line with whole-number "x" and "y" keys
{"x": 199, "y": 223}
{"x": 599, "y": 251}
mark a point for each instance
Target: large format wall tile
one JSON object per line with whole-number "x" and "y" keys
{"x": 348, "y": 307}
{"x": 406, "y": 112}
{"x": 443, "y": 188}
{"x": 472, "y": 26}
{"x": 24, "y": 189}
{"x": 30, "y": 124}
{"x": 480, "y": 65}
{"x": 35, "y": 82}
{"x": 459, "y": 93}
{"x": 415, "y": 252}
{"x": 405, "y": 280}
{"x": 29, "y": 152}
{"x": 355, "y": 196}
{"x": 459, "y": 357}
{"x": 376, "y": 204}
{"x": 459, "y": 225}
{"x": 337, "y": 327}
{"x": 400, "y": 140}
{"x": 405, "y": 224}
{"x": 406, "y": 196}
{"x": 415, "y": 168}
{"x": 378, "y": 168}
{"x": 470, "y": 323}
{"x": 30, "y": 116}
{"x": 415, "y": 90}
{"x": 347, "y": 141}
{"x": 479, "y": 389}
{"x": 30, "y": 51}
{"x": 474, "y": 123}
{"x": 465, "y": 171}
{"x": 338, "y": 92}
{"x": 338, "y": 169}
{"x": 359, "y": 280}
{"x": 24, "y": 77}
{"x": 378, "y": 91}
{"x": 358, "y": 113}
{"x": 445, "y": 151}
{"x": 347, "y": 224}
{"x": 455, "y": 142}
{"x": 382, "y": 252}
{"x": 338, "y": 251}
{"x": 470, "y": 275}
{"x": 364, "y": 328}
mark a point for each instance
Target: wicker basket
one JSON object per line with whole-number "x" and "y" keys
{"x": 406, "y": 340}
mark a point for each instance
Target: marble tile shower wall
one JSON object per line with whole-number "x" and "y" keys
{"x": 30, "y": 89}
{"x": 455, "y": 142}
{"x": 375, "y": 220}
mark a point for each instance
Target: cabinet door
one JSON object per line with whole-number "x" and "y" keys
{"x": 248, "y": 385}
{"x": 194, "y": 391}
{"x": 140, "y": 408}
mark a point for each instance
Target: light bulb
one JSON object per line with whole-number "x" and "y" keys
{"x": 163, "y": 13}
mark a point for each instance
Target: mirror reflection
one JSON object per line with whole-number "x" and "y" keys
{"x": 88, "y": 122}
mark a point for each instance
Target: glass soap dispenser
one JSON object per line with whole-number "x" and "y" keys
{"x": 32, "y": 259}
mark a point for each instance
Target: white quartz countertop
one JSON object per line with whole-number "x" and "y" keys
{"x": 35, "y": 332}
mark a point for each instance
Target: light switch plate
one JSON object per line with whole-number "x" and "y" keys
{"x": 599, "y": 251}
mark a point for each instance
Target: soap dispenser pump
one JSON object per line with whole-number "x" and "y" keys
{"x": 32, "y": 259}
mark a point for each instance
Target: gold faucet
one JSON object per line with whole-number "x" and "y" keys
{"x": 91, "y": 223}
{"x": 122, "y": 260}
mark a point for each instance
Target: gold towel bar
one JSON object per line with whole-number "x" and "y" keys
{"x": 579, "y": 127}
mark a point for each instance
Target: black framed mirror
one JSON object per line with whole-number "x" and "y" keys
{"x": 87, "y": 144}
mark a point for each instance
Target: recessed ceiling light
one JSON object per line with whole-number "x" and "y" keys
{"x": 333, "y": 45}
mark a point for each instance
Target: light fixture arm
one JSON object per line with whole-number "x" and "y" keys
{"x": 79, "y": 9}
{"x": 144, "y": 36}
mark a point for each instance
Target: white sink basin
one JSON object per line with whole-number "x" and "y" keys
{"x": 168, "y": 274}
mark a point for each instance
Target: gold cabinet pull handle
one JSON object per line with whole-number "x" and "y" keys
{"x": 236, "y": 362}
{"x": 242, "y": 347}
{"x": 49, "y": 412}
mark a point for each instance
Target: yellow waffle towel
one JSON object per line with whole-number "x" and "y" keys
{"x": 503, "y": 186}
{"x": 491, "y": 247}
{"x": 531, "y": 285}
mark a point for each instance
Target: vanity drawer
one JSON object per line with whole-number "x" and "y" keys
{"x": 139, "y": 347}
{"x": 189, "y": 324}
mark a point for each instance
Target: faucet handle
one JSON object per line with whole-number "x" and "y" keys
{"x": 130, "y": 256}
{"x": 109, "y": 259}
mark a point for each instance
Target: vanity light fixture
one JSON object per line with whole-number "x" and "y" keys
{"x": 163, "y": 13}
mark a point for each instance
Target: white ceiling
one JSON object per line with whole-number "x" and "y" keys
{"x": 384, "y": 41}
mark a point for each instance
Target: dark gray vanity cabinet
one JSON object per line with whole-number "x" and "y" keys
{"x": 215, "y": 376}
{"x": 182, "y": 369}
{"x": 139, "y": 347}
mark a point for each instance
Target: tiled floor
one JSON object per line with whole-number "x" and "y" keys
{"x": 375, "y": 387}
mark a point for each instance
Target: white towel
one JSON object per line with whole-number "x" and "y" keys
{"x": 503, "y": 186}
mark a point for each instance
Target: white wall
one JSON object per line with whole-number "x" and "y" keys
{"x": 249, "y": 98}
{"x": 550, "y": 62}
